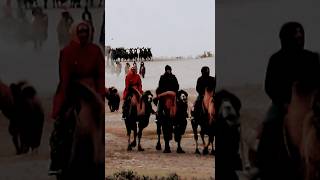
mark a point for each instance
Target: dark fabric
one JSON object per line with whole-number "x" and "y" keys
{"x": 286, "y": 67}
{"x": 167, "y": 82}
{"x": 204, "y": 82}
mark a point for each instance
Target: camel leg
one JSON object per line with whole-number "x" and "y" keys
{"x": 158, "y": 147}
{"x": 205, "y": 146}
{"x": 139, "y": 140}
{"x": 129, "y": 145}
{"x": 177, "y": 138}
{"x": 167, "y": 134}
{"x": 179, "y": 149}
{"x": 167, "y": 147}
{"x": 134, "y": 142}
{"x": 211, "y": 139}
{"x": 128, "y": 134}
{"x": 195, "y": 135}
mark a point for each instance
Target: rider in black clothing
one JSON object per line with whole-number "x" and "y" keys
{"x": 167, "y": 82}
{"x": 203, "y": 82}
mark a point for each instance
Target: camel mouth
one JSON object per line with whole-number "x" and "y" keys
{"x": 183, "y": 98}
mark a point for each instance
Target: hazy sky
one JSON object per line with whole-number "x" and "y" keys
{"x": 169, "y": 27}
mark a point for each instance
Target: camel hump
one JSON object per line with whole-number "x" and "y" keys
{"x": 167, "y": 93}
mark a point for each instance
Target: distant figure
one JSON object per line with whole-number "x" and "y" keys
{"x": 135, "y": 64}
{"x": 63, "y": 29}
{"x": 118, "y": 68}
{"x": 39, "y": 27}
{"x": 87, "y": 17}
{"x": 142, "y": 70}
{"x": 126, "y": 70}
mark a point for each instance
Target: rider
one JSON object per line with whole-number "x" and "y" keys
{"x": 290, "y": 64}
{"x": 285, "y": 67}
{"x": 203, "y": 82}
{"x": 167, "y": 82}
{"x": 80, "y": 61}
{"x": 133, "y": 80}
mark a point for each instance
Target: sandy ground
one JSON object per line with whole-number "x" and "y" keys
{"x": 152, "y": 162}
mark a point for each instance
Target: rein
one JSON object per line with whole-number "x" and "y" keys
{"x": 285, "y": 141}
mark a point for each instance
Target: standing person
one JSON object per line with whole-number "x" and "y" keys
{"x": 86, "y": 16}
{"x": 133, "y": 80}
{"x": 135, "y": 64}
{"x": 63, "y": 28}
{"x": 39, "y": 27}
{"x": 167, "y": 82}
{"x": 203, "y": 82}
{"x": 290, "y": 64}
{"x": 80, "y": 61}
{"x": 127, "y": 68}
{"x": 142, "y": 70}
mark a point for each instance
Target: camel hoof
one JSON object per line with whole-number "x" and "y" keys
{"x": 129, "y": 148}
{"x": 197, "y": 151}
{"x": 133, "y": 144}
{"x": 167, "y": 150}
{"x": 140, "y": 148}
{"x": 205, "y": 151}
{"x": 213, "y": 152}
{"x": 158, "y": 147}
{"x": 180, "y": 151}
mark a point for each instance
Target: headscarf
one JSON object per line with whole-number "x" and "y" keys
{"x": 73, "y": 31}
{"x": 287, "y": 33}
